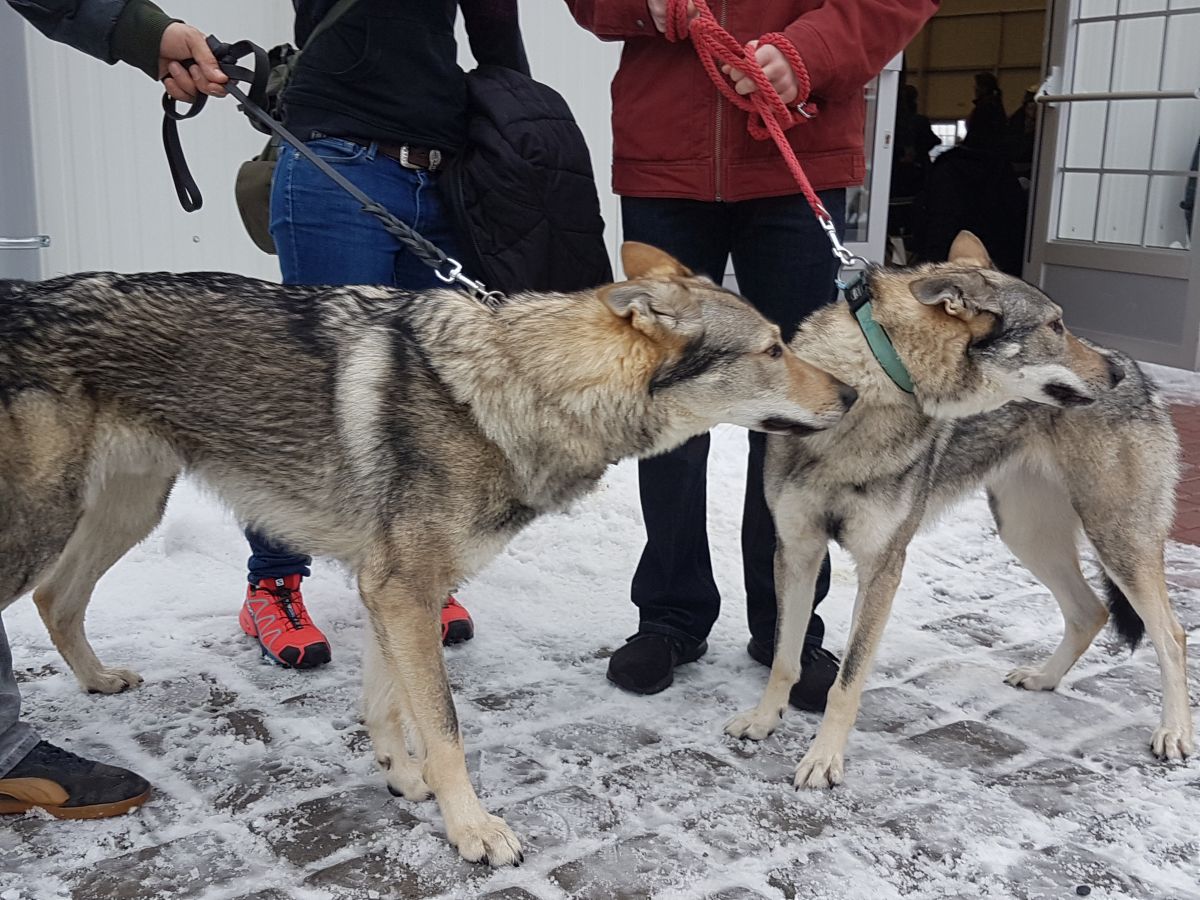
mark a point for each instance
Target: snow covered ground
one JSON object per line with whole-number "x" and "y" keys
{"x": 957, "y": 785}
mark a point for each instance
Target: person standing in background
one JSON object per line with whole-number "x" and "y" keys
{"x": 380, "y": 97}
{"x": 693, "y": 182}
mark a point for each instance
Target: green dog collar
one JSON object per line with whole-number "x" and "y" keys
{"x": 858, "y": 296}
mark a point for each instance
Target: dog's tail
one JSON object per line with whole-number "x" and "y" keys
{"x": 1125, "y": 619}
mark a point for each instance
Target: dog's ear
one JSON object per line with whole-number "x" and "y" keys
{"x": 963, "y": 295}
{"x": 658, "y": 309}
{"x": 643, "y": 261}
{"x": 968, "y": 250}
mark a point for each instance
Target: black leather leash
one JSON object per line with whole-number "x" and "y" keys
{"x": 445, "y": 268}
{"x": 185, "y": 186}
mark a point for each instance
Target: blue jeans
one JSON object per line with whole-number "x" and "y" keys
{"x": 785, "y": 268}
{"x": 16, "y": 738}
{"x": 323, "y": 237}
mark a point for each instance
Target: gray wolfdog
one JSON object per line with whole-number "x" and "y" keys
{"x": 409, "y": 435}
{"x": 1066, "y": 438}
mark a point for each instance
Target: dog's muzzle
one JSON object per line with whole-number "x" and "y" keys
{"x": 787, "y": 426}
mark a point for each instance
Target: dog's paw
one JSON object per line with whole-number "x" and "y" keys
{"x": 1031, "y": 678}
{"x": 487, "y": 840}
{"x": 1172, "y": 743}
{"x": 404, "y": 778}
{"x": 753, "y": 724}
{"x": 408, "y": 784}
{"x": 109, "y": 681}
{"x": 819, "y": 769}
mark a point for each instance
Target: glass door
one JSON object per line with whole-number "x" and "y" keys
{"x": 867, "y": 205}
{"x": 1116, "y": 178}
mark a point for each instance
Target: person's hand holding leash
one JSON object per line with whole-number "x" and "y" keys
{"x": 183, "y": 43}
{"x": 775, "y": 66}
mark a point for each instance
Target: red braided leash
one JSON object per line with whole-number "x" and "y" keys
{"x": 770, "y": 117}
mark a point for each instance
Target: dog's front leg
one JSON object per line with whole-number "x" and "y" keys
{"x": 404, "y": 619}
{"x": 878, "y": 580}
{"x": 798, "y": 554}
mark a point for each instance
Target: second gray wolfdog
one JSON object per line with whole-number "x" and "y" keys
{"x": 1066, "y": 437}
{"x": 409, "y": 435}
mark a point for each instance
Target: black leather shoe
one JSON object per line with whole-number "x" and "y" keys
{"x": 761, "y": 652}
{"x": 70, "y": 787}
{"x": 646, "y": 664}
{"x": 818, "y": 671}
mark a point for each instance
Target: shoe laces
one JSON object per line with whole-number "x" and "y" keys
{"x": 291, "y": 606}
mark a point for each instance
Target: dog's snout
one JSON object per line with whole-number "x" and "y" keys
{"x": 1116, "y": 374}
{"x": 847, "y": 395}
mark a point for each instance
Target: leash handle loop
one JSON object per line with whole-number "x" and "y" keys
{"x": 227, "y": 56}
{"x": 186, "y": 188}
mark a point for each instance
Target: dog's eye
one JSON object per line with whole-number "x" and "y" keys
{"x": 775, "y": 351}
{"x": 1057, "y": 326}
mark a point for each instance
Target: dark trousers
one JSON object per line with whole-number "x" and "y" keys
{"x": 784, "y": 266}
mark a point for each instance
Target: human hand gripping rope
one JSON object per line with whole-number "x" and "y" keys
{"x": 770, "y": 117}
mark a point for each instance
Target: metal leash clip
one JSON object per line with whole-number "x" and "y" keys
{"x": 477, "y": 289}
{"x": 845, "y": 257}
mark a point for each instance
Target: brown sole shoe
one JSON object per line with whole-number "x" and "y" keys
{"x": 14, "y": 806}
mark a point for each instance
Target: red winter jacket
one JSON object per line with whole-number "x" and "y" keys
{"x": 674, "y": 135}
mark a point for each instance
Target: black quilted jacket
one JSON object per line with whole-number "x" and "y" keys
{"x": 522, "y": 192}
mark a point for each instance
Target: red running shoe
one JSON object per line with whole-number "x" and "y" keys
{"x": 274, "y": 613}
{"x": 456, "y": 623}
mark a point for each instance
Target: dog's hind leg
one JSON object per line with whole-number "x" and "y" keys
{"x": 1133, "y": 559}
{"x": 1038, "y": 524}
{"x": 403, "y": 601}
{"x": 121, "y": 512}
{"x": 389, "y": 720}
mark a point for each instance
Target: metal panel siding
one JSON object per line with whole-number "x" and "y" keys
{"x": 103, "y": 189}
{"x": 18, "y": 207}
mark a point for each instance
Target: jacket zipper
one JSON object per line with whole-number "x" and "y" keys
{"x": 720, "y": 117}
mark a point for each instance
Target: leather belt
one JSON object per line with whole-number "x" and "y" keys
{"x": 427, "y": 158}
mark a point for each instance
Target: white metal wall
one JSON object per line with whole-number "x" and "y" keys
{"x": 104, "y": 193}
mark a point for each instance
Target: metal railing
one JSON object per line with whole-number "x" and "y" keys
{"x": 1117, "y": 95}
{"x": 37, "y": 242}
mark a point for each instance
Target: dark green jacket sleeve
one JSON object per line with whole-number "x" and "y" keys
{"x": 111, "y": 30}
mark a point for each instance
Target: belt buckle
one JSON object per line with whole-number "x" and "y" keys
{"x": 435, "y": 159}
